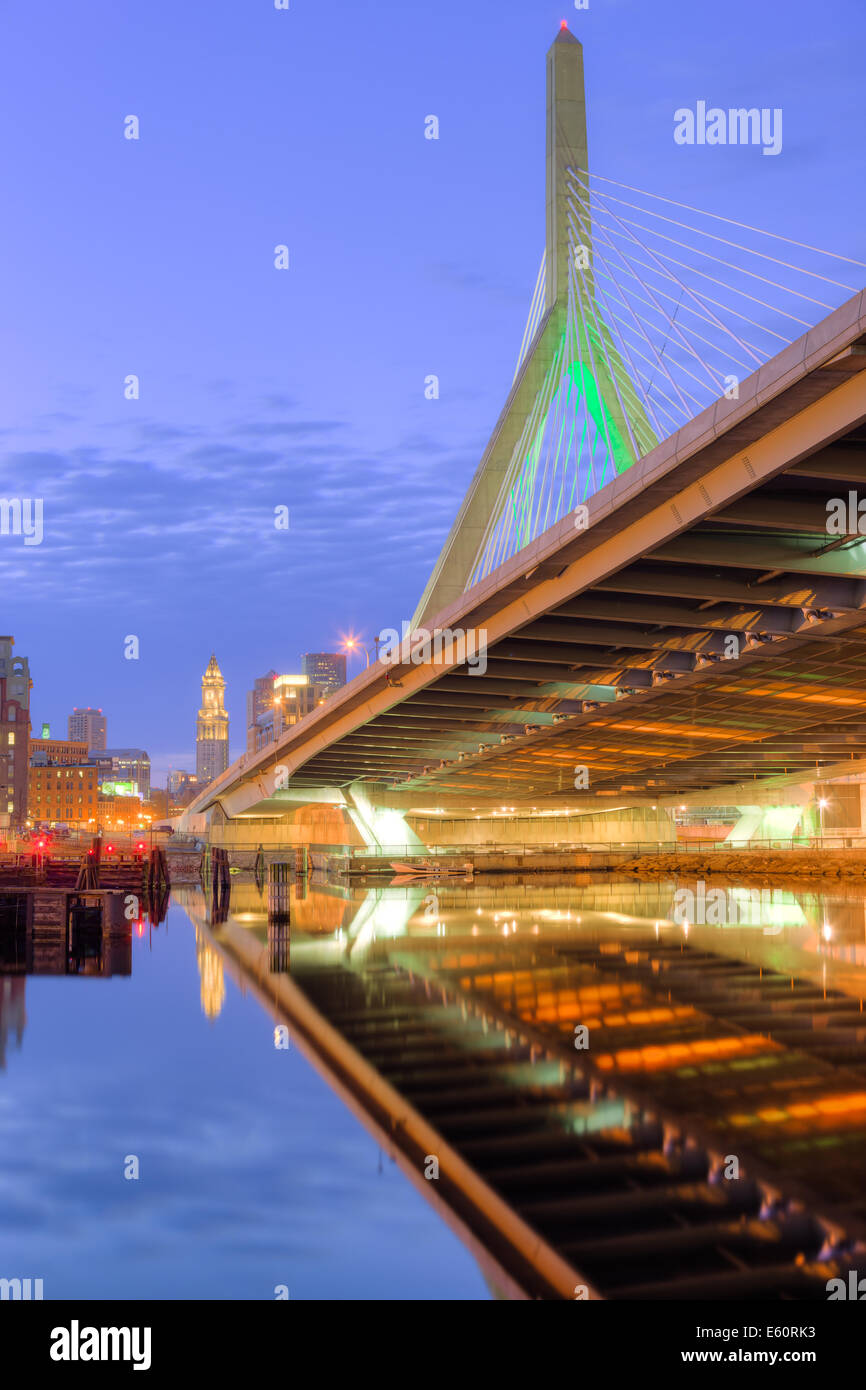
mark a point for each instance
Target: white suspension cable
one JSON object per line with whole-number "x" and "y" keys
{"x": 725, "y": 241}
{"x": 804, "y": 246}
{"x": 688, "y": 291}
{"x": 649, "y": 341}
{"x": 688, "y": 308}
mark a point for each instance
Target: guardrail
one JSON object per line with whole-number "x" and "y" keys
{"x": 838, "y": 840}
{"x": 633, "y": 848}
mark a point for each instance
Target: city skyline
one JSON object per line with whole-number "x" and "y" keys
{"x": 165, "y": 763}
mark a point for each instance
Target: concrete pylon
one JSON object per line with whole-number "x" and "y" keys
{"x": 603, "y": 377}
{"x": 566, "y": 149}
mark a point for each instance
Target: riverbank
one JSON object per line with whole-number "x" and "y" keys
{"x": 808, "y": 864}
{"x": 767, "y": 864}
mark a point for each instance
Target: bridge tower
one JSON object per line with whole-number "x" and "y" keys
{"x": 572, "y": 337}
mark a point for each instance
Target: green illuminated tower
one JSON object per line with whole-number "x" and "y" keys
{"x": 572, "y": 348}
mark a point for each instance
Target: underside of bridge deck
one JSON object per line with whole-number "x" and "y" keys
{"x": 701, "y": 623}
{"x": 735, "y": 650}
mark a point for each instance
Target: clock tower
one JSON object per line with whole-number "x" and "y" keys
{"x": 212, "y": 726}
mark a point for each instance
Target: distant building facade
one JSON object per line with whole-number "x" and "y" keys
{"x": 88, "y": 726}
{"x": 261, "y": 697}
{"x": 63, "y": 794}
{"x": 182, "y": 788}
{"x": 128, "y": 768}
{"x": 259, "y": 701}
{"x": 212, "y": 726}
{"x": 276, "y": 701}
{"x": 58, "y": 751}
{"x": 327, "y": 669}
{"x": 15, "y": 686}
{"x": 120, "y": 813}
{"x": 293, "y": 697}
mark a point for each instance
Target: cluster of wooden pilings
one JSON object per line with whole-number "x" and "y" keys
{"x": 216, "y": 883}
{"x": 280, "y": 881}
{"x": 285, "y": 879}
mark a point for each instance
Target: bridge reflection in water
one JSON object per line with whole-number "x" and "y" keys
{"x": 449, "y": 1018}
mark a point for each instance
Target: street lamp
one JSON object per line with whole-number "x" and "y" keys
{"x": 823, "y": 803}
{"x": 352, "y": 644}
{"x": 278, "y": 710}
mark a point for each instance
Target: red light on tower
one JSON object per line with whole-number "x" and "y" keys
{"x": 563, "y": 24}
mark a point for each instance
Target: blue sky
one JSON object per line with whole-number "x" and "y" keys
{"x": 305, "y": 388}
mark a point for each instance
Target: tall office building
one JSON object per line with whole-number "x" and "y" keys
{"x": 15, "y": 686}
{"x": 88, "y": 726}
{"x": 292, "y": 697}
{"x": 261, "y": 697}
{"x": 212, "y": 726}
{"x": 259, "y": 701}
{"x": 327, "y": 669}
{"x": 182, "y": 787}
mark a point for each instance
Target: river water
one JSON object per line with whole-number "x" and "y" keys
{"x": 253, "y": 1176}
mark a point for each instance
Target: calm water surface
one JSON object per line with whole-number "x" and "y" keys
{"x": 253, "y": 1173}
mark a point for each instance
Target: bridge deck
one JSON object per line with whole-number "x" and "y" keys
{"x": 610, "y": 647}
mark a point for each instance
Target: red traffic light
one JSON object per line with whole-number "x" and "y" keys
{"x": 109, "y": 849}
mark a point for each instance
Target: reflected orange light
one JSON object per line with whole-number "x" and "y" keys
{"x": 680, "y": 731}
{"x": 658, "y": 1057}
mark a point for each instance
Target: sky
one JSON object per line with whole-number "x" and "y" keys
{"x": 262, "y": 388}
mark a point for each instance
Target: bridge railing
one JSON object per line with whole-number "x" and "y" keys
{"x": 854, "y": 838}
{"x": 845, "y": 839}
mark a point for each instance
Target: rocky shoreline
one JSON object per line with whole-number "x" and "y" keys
{"x": 765, "y": 864}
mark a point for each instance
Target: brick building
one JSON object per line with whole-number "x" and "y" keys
{"x": 15, "y": 686}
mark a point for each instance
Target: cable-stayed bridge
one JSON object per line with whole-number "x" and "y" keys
{"x": 658, "y": 567}
{"x": 648, "y": 343}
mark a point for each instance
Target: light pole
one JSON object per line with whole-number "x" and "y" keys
{"x": 822, "y": 806}
{"x": 353, "y": 645}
